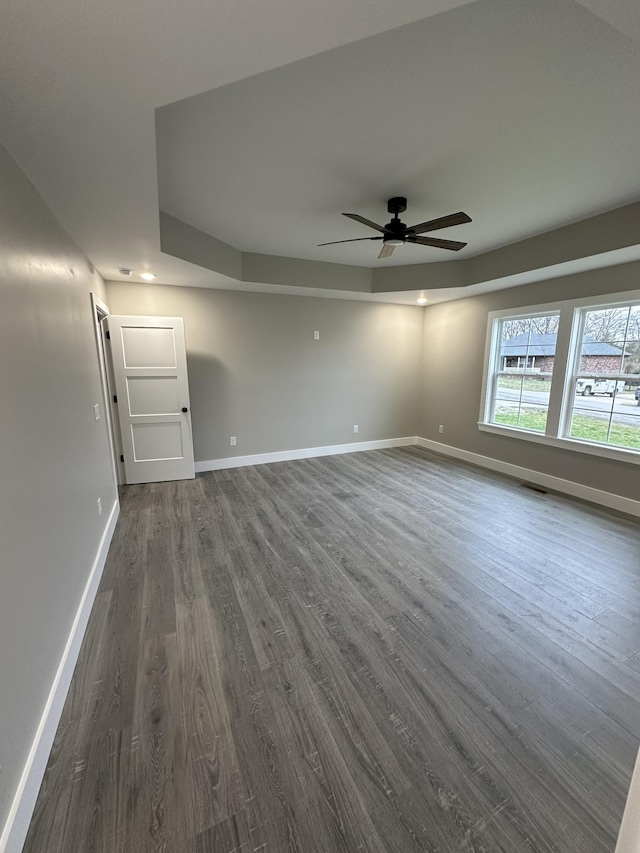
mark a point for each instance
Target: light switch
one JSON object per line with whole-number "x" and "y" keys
{"x": 96, "y": 411}
{"x": 316, "y": 335}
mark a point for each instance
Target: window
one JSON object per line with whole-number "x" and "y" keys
{"x": 524, "y": 369}
{"x": 604, "y": 408}
{"x": 567, "y": 374}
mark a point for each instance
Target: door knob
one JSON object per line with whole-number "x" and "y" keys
{"x": 184, "y": 409}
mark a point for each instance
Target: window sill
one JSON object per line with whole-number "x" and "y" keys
{"x": 620, "y": 454}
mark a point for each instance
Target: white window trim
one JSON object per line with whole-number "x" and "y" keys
{"x": 560, "y": 399}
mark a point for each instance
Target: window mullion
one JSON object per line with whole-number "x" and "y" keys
{"x": 562, "y": 369}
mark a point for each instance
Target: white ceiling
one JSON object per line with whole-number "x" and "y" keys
{"x": 524, "y": 115}
{"x": 80, "y": 81}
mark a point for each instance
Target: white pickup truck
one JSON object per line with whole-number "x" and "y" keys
{"x": 593, "y": 385}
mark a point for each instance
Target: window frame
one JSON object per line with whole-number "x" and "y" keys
{"x": 565, "y": 372}
{"x": 491, "y": 378}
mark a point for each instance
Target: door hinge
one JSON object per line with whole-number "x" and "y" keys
{"x": 121, "y": 457}
{"x": 108, "y": 335}
{"x": 115, "y": 398}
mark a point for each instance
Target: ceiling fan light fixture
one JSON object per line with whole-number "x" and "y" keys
{"x": 393, "y": 241}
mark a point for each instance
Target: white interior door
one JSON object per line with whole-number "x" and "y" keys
{"x": 150, "y": 369}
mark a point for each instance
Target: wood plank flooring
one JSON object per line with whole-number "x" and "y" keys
{"x": 384, "y": 651}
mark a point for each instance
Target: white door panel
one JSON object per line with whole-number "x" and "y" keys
{"x": 149, "y": 347}
{"x": 150, "y": 395}
{"x": 150, "y": 367}
{"x": 160, "y": 442}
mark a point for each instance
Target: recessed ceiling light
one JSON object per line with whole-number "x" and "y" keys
{"x": 148, "y": 276}
{"x": 421, "y": 300}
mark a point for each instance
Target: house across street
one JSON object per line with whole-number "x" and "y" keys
{"x": 536, "y": 353}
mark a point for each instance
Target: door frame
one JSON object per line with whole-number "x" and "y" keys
{"x": 100, "y": 312}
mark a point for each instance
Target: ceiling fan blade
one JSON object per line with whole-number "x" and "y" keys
{"x": 438, "y": 244}
{"x": 386, "y": 251}
{"x": 443, "y": 222}
{"x": 366, "y": 222}
{"x": 353, "y": 240}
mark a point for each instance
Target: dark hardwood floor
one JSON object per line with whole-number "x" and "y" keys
{"x": 383, "y": 651}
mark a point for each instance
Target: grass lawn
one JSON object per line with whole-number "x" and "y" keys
{"x": 535, "y": 419}
{"x": 529, "y": 384}
{"x": 593, "y": 429}
{"x": 582, "y": 426}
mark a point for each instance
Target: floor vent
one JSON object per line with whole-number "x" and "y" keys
{"x": 533, "y": 488}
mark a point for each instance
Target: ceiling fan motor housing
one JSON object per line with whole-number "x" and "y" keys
{"x": 396, "y": 233}
{"x": 396, "y": 229}
{"x": 396, "y": 226}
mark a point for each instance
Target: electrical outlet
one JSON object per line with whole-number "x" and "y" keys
{"x": 96, "y": 411}
{"x": 232, "y": 440}
{"x": 441, "y": 428}
{"x": 316, "y": 335}
{"x": 355, "y": 429}
{"x": 99, "y": 506}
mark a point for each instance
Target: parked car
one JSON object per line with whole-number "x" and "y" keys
{"x": 593, "y": 385}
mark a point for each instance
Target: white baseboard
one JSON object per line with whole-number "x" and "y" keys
{"x": 556, "y": 484}
{"x": 17, "y": 824}
{"x": 629, "y": 836}
{"x": 305, "y": 453}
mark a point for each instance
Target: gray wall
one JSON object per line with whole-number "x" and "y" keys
{"x": 453, "y": 364}
{"x": 256, "y": 372}
{"x": 54, "y": 460}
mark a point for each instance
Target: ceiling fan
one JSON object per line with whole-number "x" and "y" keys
{"x": 396, "y": 233}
